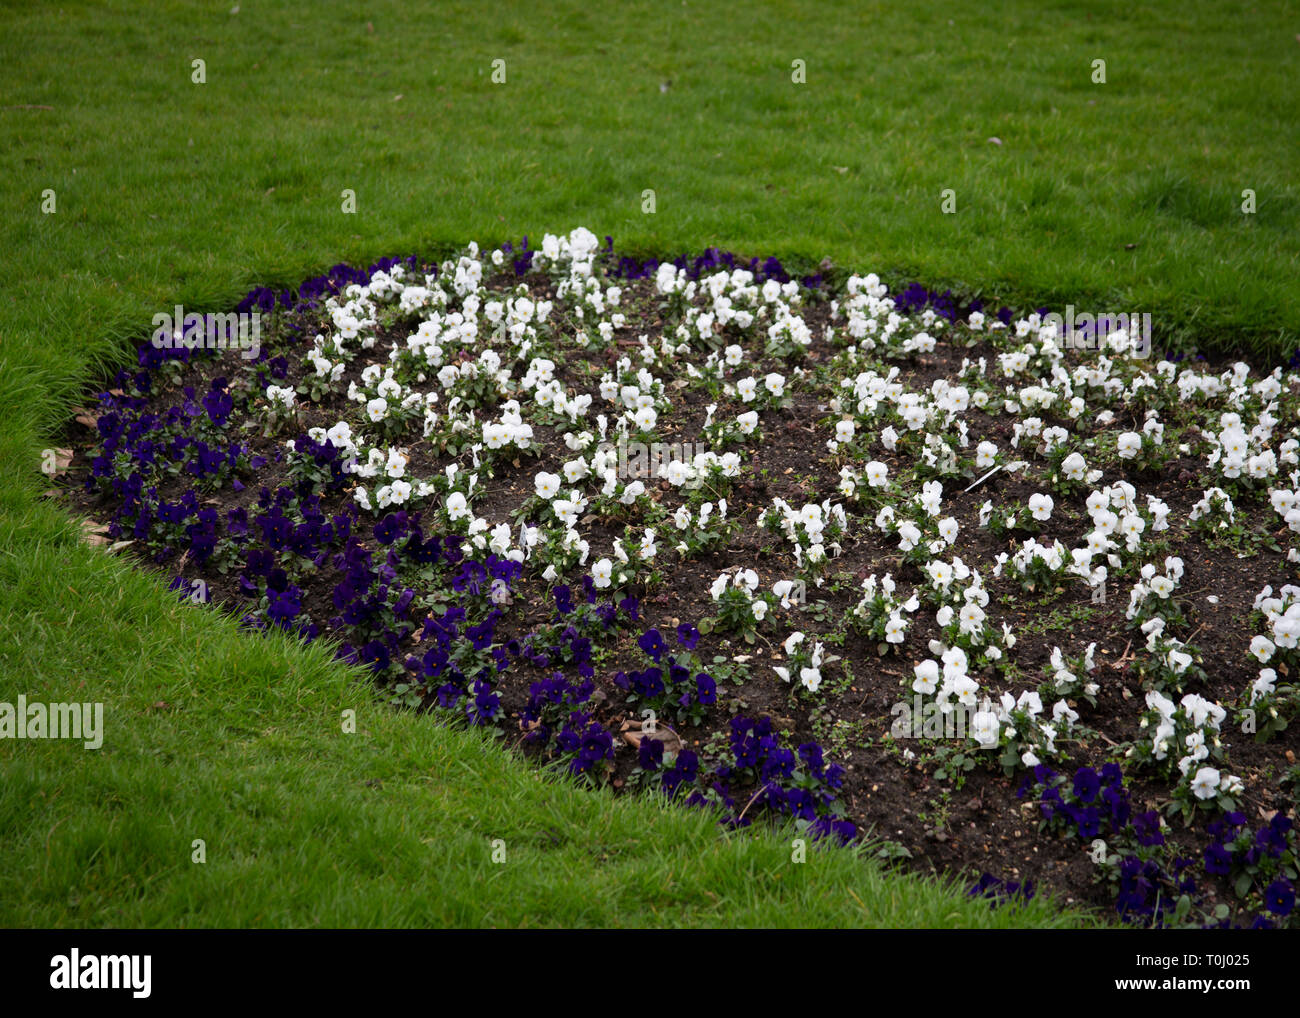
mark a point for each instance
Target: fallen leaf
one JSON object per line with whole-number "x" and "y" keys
{"x": 62, "y": 460}
{"x": 995, "y": 141}
{"x": 633, "y": 734}
{"x": 93, "y": 533}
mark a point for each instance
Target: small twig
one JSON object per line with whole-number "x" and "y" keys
{"x": 983, "y": 479}
{"x": 750, "y": 803}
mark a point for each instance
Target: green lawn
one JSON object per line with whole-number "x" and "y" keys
{"x": 172, "y": 192}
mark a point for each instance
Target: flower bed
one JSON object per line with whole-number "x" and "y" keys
{"x": 789, "y": 549}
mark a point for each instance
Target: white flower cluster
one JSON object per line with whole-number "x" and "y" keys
{"x": 871, "y": 319}
{"x": 806, "y": 528}
{"x": 1190, "y": 728}
{"x": 950, "y": 684}
{"x": 280, "y": 397}
{"x": 879, "y": 604}
{"x": 1215, "y": 505}
{"x": 743, "y": 583}
{"x": 1160, "y": 585}
{"x": 1282, "y": 617}
{"x": 1237, "y": 450}
{"x": 809, "y": 662}
{"x": 511, "y": 429}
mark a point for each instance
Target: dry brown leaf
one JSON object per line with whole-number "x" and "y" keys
{"x": 633, "y": 734}
{"x": 93, "y": 533}
{"x": 62, "y": 460}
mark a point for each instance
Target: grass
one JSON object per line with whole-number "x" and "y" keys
{"x": 172, "y": 192}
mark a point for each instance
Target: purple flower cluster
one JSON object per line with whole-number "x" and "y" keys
{"x": 1094, "y": 801}
{"x": 568, "y": 642}
{"x": 1001, "y": 892}
{"x": 670, "y": 683}
{"x": 795, "y": 783}
{"x": 1148, "y": 892}
{"x": 585, "y": 742}
{"x": 310, "y": 293}
{"x": 555, "y": 722}
{"x": 1263, "y": 859}
{"x": 316, "y": 465}
{"x": 673, "y": 770}
{"x": 915, "y": 297}
{"x": 141, "y": 451}
{"x": 550, "y": 702}
{"x": 1095, "y": 804}
{"x": 1149, "y": 876}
